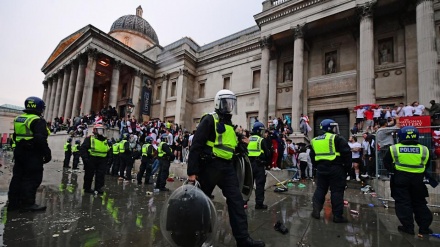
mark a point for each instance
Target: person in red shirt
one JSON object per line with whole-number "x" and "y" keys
{"x": 369, "y": 119}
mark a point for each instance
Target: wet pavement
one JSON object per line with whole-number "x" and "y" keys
{"x": 126, "y": 216}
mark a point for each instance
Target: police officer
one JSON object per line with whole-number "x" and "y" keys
{"x": 210, "y": 160}
{"x": 259, "y": 157}
{"x": 31, "y": 152}
{"x": 124, "y": 156}
{"x": 146, "y": 160}
{"x": 407, "y": 161}
{"x": 75, "y": 152}
{"x": 164, "y": 154}
{"x": 116, "y": 158}
{"x": 331, "y": 156}
{"x": 67, "y": 152}
{"x": 94, "y": 155}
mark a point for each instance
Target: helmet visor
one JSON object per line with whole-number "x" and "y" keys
{"x": 228, "y": 105}
{"x": 100, "y": 131}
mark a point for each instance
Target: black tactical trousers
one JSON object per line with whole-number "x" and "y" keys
{"x": 146, "y": 167}
{"x": 333, "y": 177}
{"x": 67, "y": 156}
{"x": 259, "y": 175}
{"x": 221, "y": 173}
{"x": 75, "y": 160}
{"x": 115, "y": 165}
{"x": 95, "y": 168}
{"x": 27, "y": 176}
{"x": 164, "y": 172}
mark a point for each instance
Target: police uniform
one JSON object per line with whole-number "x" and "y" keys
{"x": 259, "y": 157}
{"x": 124, "y": 158}
{"x": 116, "y": 159}
{"x": 67, "y": 153}
{"x": 31, "y": 152}
{"x": 164, "y": 154}
{"x": 75, "y": 152}
{"x": 146, "y": 163}
{"x": 331, "y": 156}
{"x": 408, "y": 161}
{"x": 94, "y": 155}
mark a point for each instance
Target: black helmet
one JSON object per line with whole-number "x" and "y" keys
{"x": 77, "y": 141}
{"x": 149, "y": 139}
{"x": 258, "y": 128}
{"x": 408, "y": 133}
{"x": 69, "y": 139}
{"x": 164, "y": 137}
{"x": 188, "y": 217}
{"x": 34, "y": 105}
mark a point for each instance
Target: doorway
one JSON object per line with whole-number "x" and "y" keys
{"x": 339, "y": 116}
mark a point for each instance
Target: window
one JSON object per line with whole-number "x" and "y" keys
{"x": 227, "y": 83}
{"x": 124, "y": 90}
{"x": 251, "y": 122}
{"x": 202, "y": 90}
{"x": 256, "y": 79}
{"x": 158, "y": 92}
{"x": 173, "y": 89}
{"x": 385, "y": 50}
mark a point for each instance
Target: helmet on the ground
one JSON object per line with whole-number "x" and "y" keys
{"x": 69, "y": 139}
{"x": 149, "y": 139}
{"x": 188, "y": 217}
{"x": 327, "y": 125}
{"x": 99, "y": 129}
{"x": 34, "y": 105}
{"x": 164, "y": 137}
{"x": 258, "y": 128}
{"x": 77, "y": 141}
{"x": 408, "y": 133}
{"x": 225, "y": 102}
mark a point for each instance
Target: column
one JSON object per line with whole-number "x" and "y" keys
{"x": 272, "y": 106}
{"x": 163, "y": 96}
{"x": 52, "y": 98}
{"x": 366, "y": 52}
{"x": 113, "y": 98}
{"x": 56, "y": 105}
{"x": 298, "y": 76}
{"x": 45, "y": 90}
{"x": 79, "y": 88}
{"x": 71, "y": 90}
{"x": 63, "y": 96}
{"x": 136, "y": 93}
{"x": 47, "y": 98}
{"x": 182, "y": 82}
{"x": 428, "y": 78}
{"x": 89, "y": 81}
{"x": 265, "y": 43}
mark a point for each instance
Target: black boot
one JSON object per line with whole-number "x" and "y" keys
{"x": 33, "y": 208}
{"x": 260, "y": 206}
{"x": 316, "y": 213}
{"x": 249, "y": 242}
{"x": 405, "y": 230}
{"x": 339, "y": 219}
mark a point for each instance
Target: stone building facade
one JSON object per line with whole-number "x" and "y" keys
{"x": 317, "y": 57}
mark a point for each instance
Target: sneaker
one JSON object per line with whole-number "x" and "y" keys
{"x": 280, "y": 227}
{"x": 364, "y": 175}
{"x": 348, "y": 178}
{"x": 358, "y": 179}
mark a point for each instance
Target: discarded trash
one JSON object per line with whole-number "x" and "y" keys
{"x": 149, "y": 193}
{"x": 301, "y": 185}
{"x": 371, "y": 205}
{"x": 354, "y": 212}
{"x": 66, "y": 231}
{"x": 420, "y": 235}
{"x": 437, "y": 235}
{"x": 345, "y": 202}
{"x": 290, "y": 185}
{"x": 435, "y": 214}
{"x": 280, "y": 227}
{"x": 373, "y": 194}
{"x": 90, "y": 228}
{"x": 56, "y": 235}
{"x": 280, "y": 189}
{"x": 156, "y": 191}
{"x": 170, "y": 179}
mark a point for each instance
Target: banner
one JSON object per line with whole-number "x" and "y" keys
{"x": 417, "y": 121}
{"x": 146, "y": 101}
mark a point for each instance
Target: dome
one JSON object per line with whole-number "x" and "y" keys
{"x": 134, "y": 23}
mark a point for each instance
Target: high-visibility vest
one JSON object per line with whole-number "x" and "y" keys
{"x": 75, "y": 148}
{"x": 121, "y": 146}
{"x": 160, "y": 152}
{"x": 98, "y": 148}
{"x": 115, "y": 148}
{"x": 145, "y": 149}
{"x": 324, "y": 147}
{"x": 409, "y": 158}
{"x": 65, "y": 146}
{"x": 225, "y": 143}
{"x": 254, "y": 146}
{"x": 22, "y": 127}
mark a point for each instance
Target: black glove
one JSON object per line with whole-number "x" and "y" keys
{"x": 47, "y": 158}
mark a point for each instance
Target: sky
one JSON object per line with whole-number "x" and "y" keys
{"x": 31, "y": 30}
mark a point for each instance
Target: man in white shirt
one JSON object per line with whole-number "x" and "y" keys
{"x": 408, "y": 111}
{"x": 400, "y": 110}
{"x": 356, "y": 148}
{"x": 418, "y": 109}
{"x": 376, "y": 114}
{"x": 360, "y": 118}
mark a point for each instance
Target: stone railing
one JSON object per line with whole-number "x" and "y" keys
{"x": 271, "y": 3}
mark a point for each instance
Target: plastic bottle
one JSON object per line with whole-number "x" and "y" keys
{"x": 354, "y": 211}
{"x": 156, "y": 191}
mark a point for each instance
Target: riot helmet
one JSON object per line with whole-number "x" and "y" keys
{"x": 225, "y": 102}
{"x": 408, "y": 133}
{"x": 99, "y": 130}
{"x": 34, "y": 105}
{"x": 258, "y": 128}
{"x": 78, "y": 142}
{"x": 188, "y": 217}
{"x": 164, "y": 138}
{"x": 149, "y": 139}
{"x": 69, "y": 140}
{"x": 329, "y": 125}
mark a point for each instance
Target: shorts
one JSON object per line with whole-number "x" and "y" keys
{"x": 359, "y": 120}
{"x": 369, "y": 123}
{"x": 356, "y": 160}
